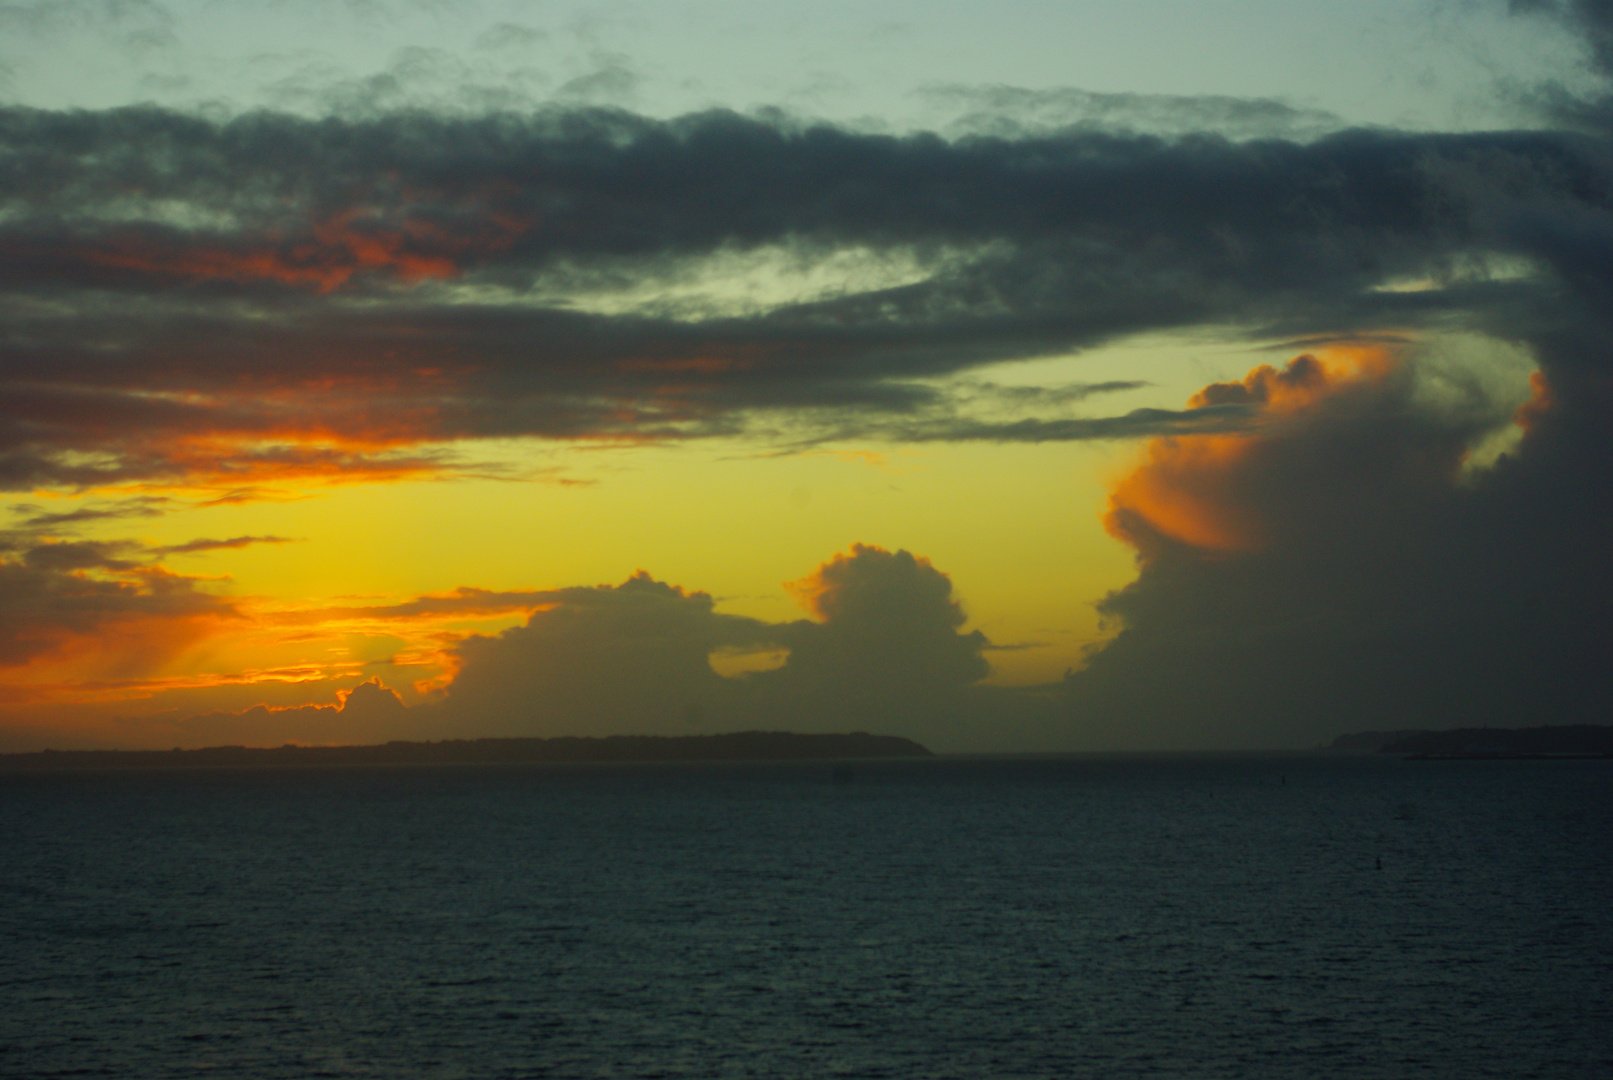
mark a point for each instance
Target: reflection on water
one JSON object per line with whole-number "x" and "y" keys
{"x": 1050, "y": 917}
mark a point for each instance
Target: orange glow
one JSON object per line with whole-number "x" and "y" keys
{"x": 243, "y": 469}
{"x": 1184, "y": 488}
{"x": 811, "y": 591}
{"x": 1528, "y": 414}
{"x": 108, "y": 660}
{"x": 1306, "y": 379}
{"x": 303, "y": 265}
{"x": 340, "y": 248}
{"x": 823, "y": 591}
{"x": 69, "y": 690}
{"x": 126, "y": 630}
{"x": 1177, "y": 493}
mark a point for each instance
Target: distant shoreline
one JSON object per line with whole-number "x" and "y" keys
{"x": 736, "y": 746}
{"x": 1560, "y": 741}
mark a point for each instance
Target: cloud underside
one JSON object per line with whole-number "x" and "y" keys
{"x": 227, "y": 303}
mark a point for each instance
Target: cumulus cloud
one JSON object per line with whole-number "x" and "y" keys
{"x": 1341, "y": 568}
{"x": 367, "y": 713}
{"x": 628, "y": 659}
{"x": 886, "y": 642}
{"x": 884, "y": 651}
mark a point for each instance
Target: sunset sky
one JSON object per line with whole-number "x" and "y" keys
{"x": 1024, "y": 376}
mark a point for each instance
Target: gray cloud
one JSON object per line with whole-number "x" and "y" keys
{"x": 1592, "y": 19}
{"x": 59, "y": 594}
{"x": 368, "y": 713}
{"x": 1011, "y": 111}
{"x": 612, "y": 82}
{"x": 407, "y": 256}
{"x": 414, "y": 78}
{"x": 508, "y": 35}
{"x": 1343, "y": 570}
{"x": 886, "y": 652}
{"x": 36, "y": 517}
{"x": 138, "y": 24}
{"x": 234, "y": 543}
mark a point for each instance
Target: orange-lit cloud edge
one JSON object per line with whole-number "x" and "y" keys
{"x": 1183, "y": 488}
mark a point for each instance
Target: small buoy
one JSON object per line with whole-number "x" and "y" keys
{"x": 1379, "y": 862}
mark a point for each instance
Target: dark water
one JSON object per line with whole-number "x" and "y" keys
{"x": 1048, "y": 918}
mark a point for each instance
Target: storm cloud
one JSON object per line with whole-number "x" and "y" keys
{"x": 1345, "y": 569}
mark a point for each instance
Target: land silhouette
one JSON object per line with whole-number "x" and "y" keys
{"x": 1566, "y": 740}
{"x": 735, "y": 746}
{"x": 1556, "y": 740}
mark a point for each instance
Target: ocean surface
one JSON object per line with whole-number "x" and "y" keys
{"x": 955, "y": 917}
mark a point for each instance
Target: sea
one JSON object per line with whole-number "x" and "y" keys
{"x": 1124, "y": 916}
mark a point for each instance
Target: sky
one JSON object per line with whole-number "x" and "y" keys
{"x": 1013, "y": 377}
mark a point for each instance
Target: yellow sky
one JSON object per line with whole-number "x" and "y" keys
{"x": 1016, "y": 526}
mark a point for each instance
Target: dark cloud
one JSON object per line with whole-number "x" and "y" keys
{"x": 1591, "y": 23}
{"x": 886, "y": 651}
{"x": 1011, "y": 111}
{"x": 1138, "y": 423}
{"x": 36, "y": 517}
{"x": 62, "y": 599}
{"x": 464, "y": 601}
{"x": 368, "y": 713}
{"x": 234, "y": 543}
{"x": 625, "y": 659}
{"x": 1344, "y": 568}
{"x": 336, "y": 296}
{"x": 886, "y": 647}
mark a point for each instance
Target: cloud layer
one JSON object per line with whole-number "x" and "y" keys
{"x": 185, "y": 300}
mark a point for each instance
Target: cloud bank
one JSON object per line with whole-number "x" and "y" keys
{"x": 227, "y": 302}
{"x": 884, "y": 649}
